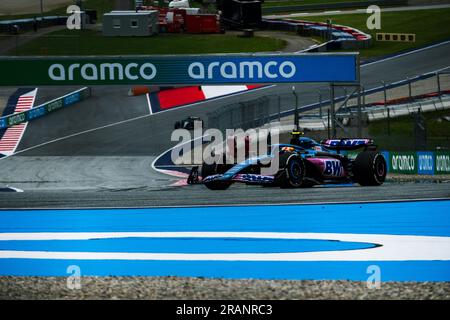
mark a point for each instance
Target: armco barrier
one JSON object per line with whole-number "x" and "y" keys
{"x": 340, "y": 37}
{"x": 366, "y": 92}
{"x": 442, "y": 162}
{"x": 420, "y": 162}
{"x": 45, "y": 108}
{"x": 7, "y": 26}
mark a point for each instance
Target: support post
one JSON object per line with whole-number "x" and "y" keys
{"x": 296, "y": 109}
{"x": 409, "y": 89}
{"x": 438, "y": 84}
{"x": 17, "y": 43}
{"x": 279, "y": 108}
{"x": 388, "y": 121}
{"x": 320, "y": 104}
{"x": 329, "y": 28}
{"x": 346, "y": 98}
{"x": 386, "y": 107}
{"x": 359, "y": 114}
{"x": 332, "y": 112}
{"x": 363, "y": 96}
{"x": 328, "y": 123}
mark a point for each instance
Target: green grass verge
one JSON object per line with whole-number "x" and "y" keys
{"x": 428, "y": 25}
{"x": 282, "y": 3}
{"x": 401, "y": 136}
{"x": 88, "y": 42}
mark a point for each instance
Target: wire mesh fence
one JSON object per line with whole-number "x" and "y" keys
{"x": 251, "y": 113}
{"x": 388, "y": 112}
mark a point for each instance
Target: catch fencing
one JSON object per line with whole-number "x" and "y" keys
{"x": 410, "y": 98}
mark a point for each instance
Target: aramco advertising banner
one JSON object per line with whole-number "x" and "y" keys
{"x": 179, "y": 69}
{"x": 420, "y": 162}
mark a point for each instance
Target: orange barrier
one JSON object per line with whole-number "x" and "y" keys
{"x": 137, "y": 91}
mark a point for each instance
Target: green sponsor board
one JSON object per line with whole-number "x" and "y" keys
{"x": 442, "y": 162}
{"x": 55, "y": 105}
{"x": 180, "y": 69}
{"x": 16, "y": 118}
{"x": 45, "y": 108}
{"x": 420, "y": 162}
{"x": 403, "y": 162}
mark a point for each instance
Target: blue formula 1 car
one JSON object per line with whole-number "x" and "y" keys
{"x": 302, "y": 163}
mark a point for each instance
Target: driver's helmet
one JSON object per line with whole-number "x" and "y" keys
{"x": 304, "y": 142}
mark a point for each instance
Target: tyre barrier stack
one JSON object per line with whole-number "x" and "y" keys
{"x": 341, "y": 37}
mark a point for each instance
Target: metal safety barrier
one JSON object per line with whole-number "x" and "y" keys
{"x": 46, "y": 108}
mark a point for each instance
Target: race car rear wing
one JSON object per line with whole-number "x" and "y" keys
{"x": 348, "y": 144}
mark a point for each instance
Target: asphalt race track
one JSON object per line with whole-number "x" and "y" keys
{"x": 150, "y": 135}
{"x": 112, "y": 139}
{"x": 199, "y": 195}
{"x": 74, "y": 164}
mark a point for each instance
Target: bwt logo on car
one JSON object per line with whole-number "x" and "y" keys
{"x": 242, "y": 70}
{"x": 105, "y": 71}
{"x": 403, "y": 162}
{"x": 332, "y": 168}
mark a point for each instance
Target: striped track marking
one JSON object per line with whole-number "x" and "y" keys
{"x": 389, "y": 247}
{"x": 13, "y": 135}
{"x": 176, "y": 97}
{"x": 408, "y": 241}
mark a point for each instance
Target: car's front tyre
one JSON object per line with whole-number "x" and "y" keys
{"x": 292, "y": 172}
{"x": 212, "y": 169}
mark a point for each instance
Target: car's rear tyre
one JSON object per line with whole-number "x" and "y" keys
{"x": 292, "y": 173}
{"x": 212, "y": 169}
{"x": 369, "y": 168}
{"x": 177, "y": 125}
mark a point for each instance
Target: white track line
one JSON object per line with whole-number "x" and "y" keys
{"x": 391, "y": 247}
{"x": 149, "y": 104}
{"x": 173, "y": 173}
{"x": 407, "y": 53}
{"x": 77, "y": 134}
